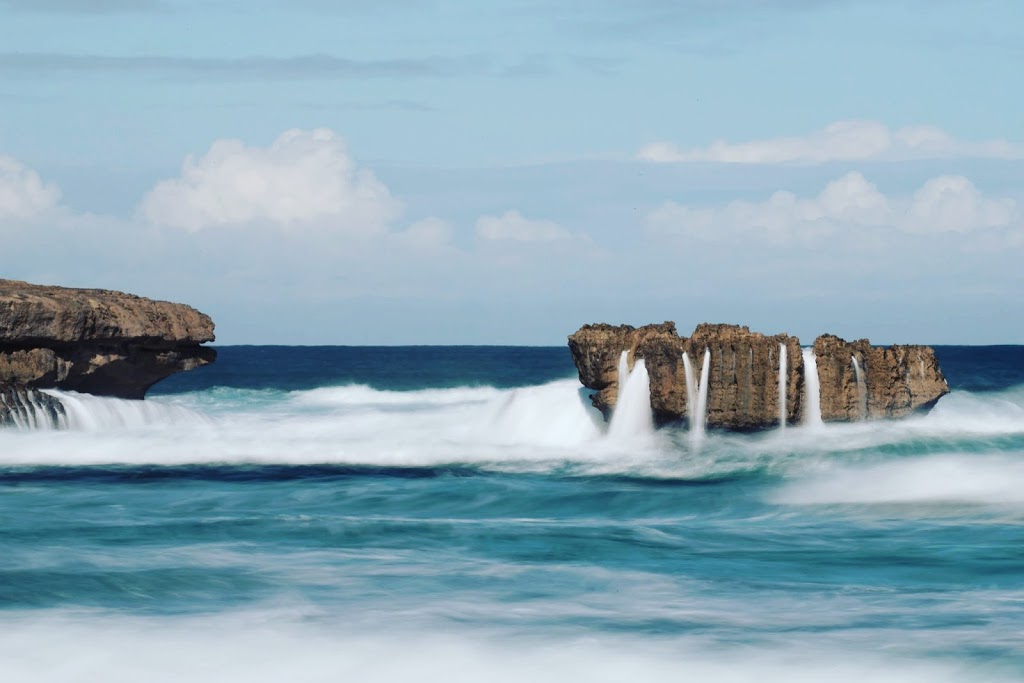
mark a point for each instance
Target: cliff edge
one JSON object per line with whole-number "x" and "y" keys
{"x": 96, "y": 341}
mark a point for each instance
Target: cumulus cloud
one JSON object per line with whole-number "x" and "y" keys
{"x": 23, "y": 194}
{"x": 303, "y": 180}
{"x": 839, "y": 141}
{"x": 946, "y": 204}
{"x": 512, "y": 226}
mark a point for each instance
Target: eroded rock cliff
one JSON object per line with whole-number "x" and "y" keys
{"x": 895, "y": 381}
{"x": 96, "y": 341}
{"x": 743, "y": 377}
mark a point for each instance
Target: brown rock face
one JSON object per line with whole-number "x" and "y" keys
{"x": 96, "y": 341}
{"x": 743, "y": 378}
{"x": 596, "y": 350}
{"x": 895, "y": 381}
{"x": 743, "y": 382}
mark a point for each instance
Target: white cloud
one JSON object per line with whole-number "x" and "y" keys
{"x": 23, "y": 194}
{"x": 942, "y": 205}
{"x": 954, "y": 204}
{"x": 303, "y": 179}
{"x": 427, "y": 233}
{"x": 839, "y": 141}
{"x": 512, "y": 226}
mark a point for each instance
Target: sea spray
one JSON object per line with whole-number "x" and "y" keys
{"x": 632, "y": 416}
{"x": 812, "y": 389}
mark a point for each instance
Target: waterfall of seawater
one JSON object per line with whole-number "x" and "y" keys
{"x": 633, "y": 415}
{"x": 862, "y": 393}
{"x": 697, "y": 394}
{"x": 691, "y": 391}
{"x": 25, "y": 411}
{"x": 783, "y": 372}
{"x": 91, "y": 413}
{"x": 812, "y": 387}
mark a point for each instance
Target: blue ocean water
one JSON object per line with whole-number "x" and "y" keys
{"x": 460, "y": 514}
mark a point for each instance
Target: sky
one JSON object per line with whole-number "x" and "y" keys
{"x": 502, "y": 172}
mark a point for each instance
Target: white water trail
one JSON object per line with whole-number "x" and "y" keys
{"x": 698, "y": 415}
{"x": 27, "y": 413}
{"x": 812, "y": 389}
{"x": 84, "y": 412}
{"x": 270, "y": 647}
{"x": 633, "y": 416}
{"x": 862, "y": 394}
{"x": 783, "y": 371}
{"x": 691, "y": 392}
{"x": 949, "y": 479}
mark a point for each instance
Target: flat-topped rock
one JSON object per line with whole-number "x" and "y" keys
{"x": 41, "y": 315}
{"x": 895, "y": 380}
{"x": 95, "y": 340}
{"x": 744, "y": 373}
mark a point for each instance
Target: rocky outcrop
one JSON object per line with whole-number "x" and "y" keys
{"x": 96, "y": 341}
{"x": 743, "y": 376}
{"x": 742, "y": 379}
{"x": 596, "y": 350}
{"x": 895, "y": 381}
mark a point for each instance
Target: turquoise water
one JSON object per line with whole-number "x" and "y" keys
{"x": 458, "y": 514}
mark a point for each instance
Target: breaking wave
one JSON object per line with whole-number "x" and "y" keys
{"x": 534, "y": 428}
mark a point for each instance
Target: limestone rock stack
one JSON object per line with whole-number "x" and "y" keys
{"x": 743, "y": 378}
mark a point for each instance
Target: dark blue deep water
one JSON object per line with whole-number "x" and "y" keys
{"x": 460, "y": 514}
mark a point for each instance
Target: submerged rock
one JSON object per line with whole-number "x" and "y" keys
{"x": 743, "y": 377}
{"x": 96, "y": 341}
{"x": 21, "y": 406}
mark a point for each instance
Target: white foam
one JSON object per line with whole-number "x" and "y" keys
{"x": 349, "y": 425}
{"x": 536, "y": 428}
{"x": 96, "y": 414}
{"x": 969, "y": 479}
{"x": 255, "y": 647}
{"x": 632, "y": 418}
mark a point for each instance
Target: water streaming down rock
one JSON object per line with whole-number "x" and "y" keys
{"x": 862, "y": 394}
{"x": 783, "y": 372}
{"x": 697, "y": 394}
{"x": 99, "y": 413}
{"x": 743, "y": 388}
{"x": 691, "y": 392}
{"x": 812, "y": 387}
{"x": 633, "y": 416}
{"x": 29, "y": 409}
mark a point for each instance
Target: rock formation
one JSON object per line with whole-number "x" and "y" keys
{"x": 24, "y": 407}
{"x": 895, "y": 381}
{"x": 96, "y": 341}
{"x": 743, "y": 378}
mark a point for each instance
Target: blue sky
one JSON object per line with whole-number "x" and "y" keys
{"x": 502, "y": 172}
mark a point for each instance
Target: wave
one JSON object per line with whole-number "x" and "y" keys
{"x": 545, "y": 428}
{"x": 958, "y": 479}
{"x": 277, "y": 645}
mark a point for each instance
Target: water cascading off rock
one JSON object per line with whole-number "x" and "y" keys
{"x": 747, "y": 388}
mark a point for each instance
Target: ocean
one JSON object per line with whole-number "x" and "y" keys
{"x": 461, "y": 514}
